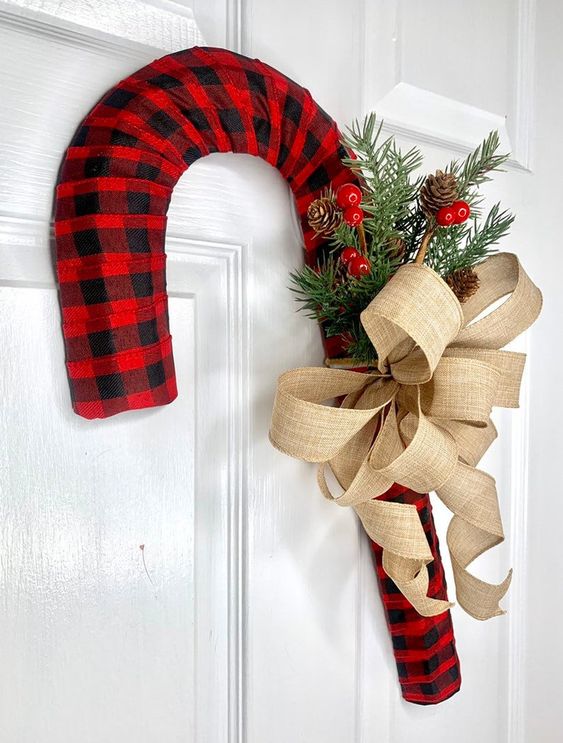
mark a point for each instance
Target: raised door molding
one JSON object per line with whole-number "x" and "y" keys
{"x": 168, "y": 25}
{"x": 426, "y": 116}
{"x": 457, "y": 126}
{"x": 211, "y": 274}
{"x": 93, "y": 60}
{"x": 205, "y": 288}
{"x": 159, "y": 24}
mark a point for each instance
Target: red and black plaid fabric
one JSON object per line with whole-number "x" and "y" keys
{"x": 113, "y": 194}
{"x": 110, "y": 223}
{"x": 424, "y": 647}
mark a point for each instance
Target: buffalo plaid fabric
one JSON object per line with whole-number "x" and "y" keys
{"x": 424, "y": 647}
{"x": 110, "y": 223}
{"x": 113, "y": 194}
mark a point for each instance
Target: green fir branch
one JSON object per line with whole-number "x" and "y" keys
{"x": 327, "y": 294}
{"x": 316, "y": 290}
{"x": 412, "y": 229}
{"x": 463, "y": 246}
{"x": 360, "y": 346}
{"x": 386, "y": 175}
{"x": 391, "y": 184}
{"x": 482, "y": 239}
{"x": 478, "y": 165}
{"x": 476, "y": 170}
{"x": 343, "y": 236}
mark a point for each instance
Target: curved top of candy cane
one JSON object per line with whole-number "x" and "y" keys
{"x": 113, "y": 194}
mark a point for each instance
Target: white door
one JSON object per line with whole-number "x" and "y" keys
{"x": 166, "y": 575}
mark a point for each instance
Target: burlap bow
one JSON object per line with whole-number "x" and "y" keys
{"x": 423, "y": 421}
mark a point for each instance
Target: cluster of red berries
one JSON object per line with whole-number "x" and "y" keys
{"x": 349, "y": 198}
{"x": 457, "y": 213}
{"x": 356, "y": 263}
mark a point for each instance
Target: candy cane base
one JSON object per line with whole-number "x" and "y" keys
{"x": 424, "y": 647}
{"x": 114, "y": 189}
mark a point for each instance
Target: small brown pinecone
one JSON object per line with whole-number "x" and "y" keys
{"x": 464, "y": 283}
{"x": 323, "y": 215}
{"x": 437, "y": 191}
{"x": 396, "y": 248}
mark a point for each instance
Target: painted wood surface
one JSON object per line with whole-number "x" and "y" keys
{"x": 254, "y": 615}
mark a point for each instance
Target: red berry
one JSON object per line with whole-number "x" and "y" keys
{"x": 348, "y": 195}
{"x": 446, "y": 216}
{"x": 359, "y": 266}
{"x": 348, "y": 254}
{"x": 462, "y": 211}
{"x": 353, "y": 216}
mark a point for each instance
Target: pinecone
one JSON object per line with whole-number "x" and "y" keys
{"x": 437, "y": 191}
{"x": 397, "y": 248}
{"x": 464, "y": 282}
{"x": 324, "y": 216}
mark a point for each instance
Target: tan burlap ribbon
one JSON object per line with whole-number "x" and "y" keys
{"x": 423, "y": 420}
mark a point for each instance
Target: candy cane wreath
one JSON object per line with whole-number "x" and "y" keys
{"x": 111, "y": 202}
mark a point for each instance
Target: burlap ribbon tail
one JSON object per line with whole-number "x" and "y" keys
{"x": 421, "y": 420}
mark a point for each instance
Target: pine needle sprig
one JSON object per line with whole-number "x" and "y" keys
{"x": 482, "y": 239}
{"x": 396, "y": 230}
{"x": 317, "y": 290}
{"x": 386, "y": 174}
{"x": 337, "y": 302}
{"x": 466, "y": 245}
{"x": 360, "y": 346}
{"x": 476, "y": 169}
{"x": 363, "y": 139}
{"x": 443, "y": 250}
{"x": 412, "y": 228}
{"x": 344, "y": 235}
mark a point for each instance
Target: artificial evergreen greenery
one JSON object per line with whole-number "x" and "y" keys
{"x": 391, "y": 184}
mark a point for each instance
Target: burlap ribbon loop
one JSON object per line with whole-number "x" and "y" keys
{"x": 423, "y": 421}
